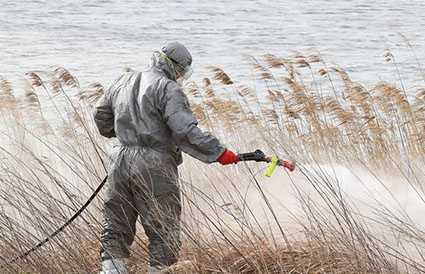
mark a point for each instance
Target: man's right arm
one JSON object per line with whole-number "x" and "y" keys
{"x": 184, "y": 127}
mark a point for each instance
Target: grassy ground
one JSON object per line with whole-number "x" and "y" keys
{"x": 354, "y": 204}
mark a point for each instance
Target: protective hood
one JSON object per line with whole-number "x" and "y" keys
{"x": 178, "y": 53}
{"x": 160, "y": 62}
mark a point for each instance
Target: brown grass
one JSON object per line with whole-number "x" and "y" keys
{"x": 301, "y": 108}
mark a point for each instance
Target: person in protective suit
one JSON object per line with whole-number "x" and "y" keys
{"x": 150, "y": 116}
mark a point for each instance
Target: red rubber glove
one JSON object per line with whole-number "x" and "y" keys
{"x": 228, "y": 157}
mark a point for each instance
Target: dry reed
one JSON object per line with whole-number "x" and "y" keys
{"x": 46, "y": 176}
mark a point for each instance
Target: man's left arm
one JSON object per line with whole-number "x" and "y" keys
{"x": 104, "y": 115}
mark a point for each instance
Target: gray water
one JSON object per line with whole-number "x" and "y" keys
{"x": 96, "y": 39}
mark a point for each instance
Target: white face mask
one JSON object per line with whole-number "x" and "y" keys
{"x": 185, "y": 76}
{"x": 187, "y": 73}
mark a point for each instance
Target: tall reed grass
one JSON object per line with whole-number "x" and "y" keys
{"x": 354, "y": 204}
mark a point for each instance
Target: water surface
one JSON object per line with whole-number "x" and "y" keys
{"x": 95, "y": 39}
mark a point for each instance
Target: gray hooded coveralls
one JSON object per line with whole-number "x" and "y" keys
{"x": 150, "y": 116}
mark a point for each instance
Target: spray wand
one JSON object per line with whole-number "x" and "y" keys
{"x": 259, "y": 156}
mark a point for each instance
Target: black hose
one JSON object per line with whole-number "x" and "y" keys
{"x": 76, "y": 214}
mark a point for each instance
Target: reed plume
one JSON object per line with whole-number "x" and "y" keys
{"x": 232, "y": 219}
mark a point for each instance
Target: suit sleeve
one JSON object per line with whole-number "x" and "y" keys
{"x": 184, "y": 127}
{"x": 104, "y": 114}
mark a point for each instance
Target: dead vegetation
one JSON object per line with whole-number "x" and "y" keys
{"x": 53, "y": 158}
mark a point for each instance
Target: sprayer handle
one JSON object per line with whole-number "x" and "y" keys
{"x": 257, "y": 156}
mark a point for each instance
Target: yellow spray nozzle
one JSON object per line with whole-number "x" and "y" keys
{"x": 274, "y": 162}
